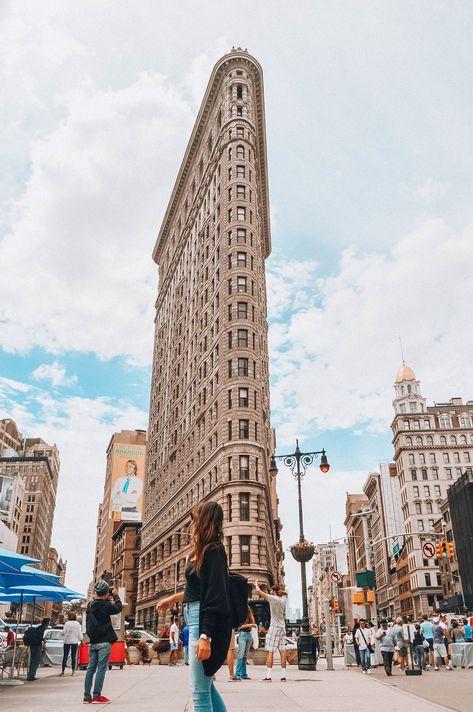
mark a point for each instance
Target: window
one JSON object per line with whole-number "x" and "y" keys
{"x": 243, "y": 397}
{"x": 435, "y": 473}
{"x": 244, "y": 507}
{"x": 229, "y": 507}
{"x": 244, "y": 429}
{"x": 409, "y": 440}
{"x": 446, "y": 458}
{"x": 465, "y": 421}
{"x": 244, "y": 467}
{"x": 448, "y": 472}
{"x": 456, "y": 457}
{"x": 420, "y": 525}
{"x": 241, "y": 191}
{"x": 241, "y": 212}
{"x": 243, "y": 367}
{"x": 229, "y": 393}
{"x": 422, "y": 458}
{"x": 418, "y": 508}
{"x": 443, "y": 440}
{"x": 430, "y": 440}
{"x": 411, "y": 459}
{"x": 426, "y": 491}
{"x": 241, "y": 284}
{"x": 414, "y": 475}
{"x": 239, "y": 91}
{"x": 244, "y": 550}
{"x": 240, "y": 152}
{"x": 427, "y": 580}
{"x": 229, "y": 425}
{"x": 406, "y": 425}
{"x": 424, "y": 474}
{"x": 241, "y": 259}
{"x": 242, "y": 310}
{"x": 432, "y": 458}
{"x": 437, "y": 490}
{"x": 241, "y": 236}
{"x": 445, "y": 422}
{"x": 466, "y": 456}
{"x": 429, "y": 507}
{"x": 240, "y": 172}
{"x": 242, "y": 337}
{"x": 240, "y": 132}
{"x": 427, "y": 424}
{"x": 416, "y": 491}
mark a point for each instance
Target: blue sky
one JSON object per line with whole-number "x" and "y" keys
{"x": 369, "y": 114}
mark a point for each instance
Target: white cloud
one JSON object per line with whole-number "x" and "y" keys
{"x": 55, "y": 373}
{"x": 81, "y": 428}
{"x": 334, "y": 360}
{"x": 428, "y": 191}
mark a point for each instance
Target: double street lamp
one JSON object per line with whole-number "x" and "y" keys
{"x": 303, "y": 551}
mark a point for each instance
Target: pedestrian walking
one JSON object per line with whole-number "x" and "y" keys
{"x": 402, "y": 643}
{"x": 174, "y": 642}
{"x": 231, "y": 659}
{"x": 71, "y": 636}
{"x": 363, "y": 643}
{"x": 467, "y": 630}
{"x": 356, "y": 626}
{"x": 387, "y": 641}
{"x": 276, "y": 635}
{"x": 185, "y": 644}
{"x": 440, "y": 650}
{"x": 99, "y": 628}
{"x": 33, "y": 639}
{"x": 206, "y": 605}
{"x": 426, "y": 630}
{"x": 418, "y": 645}
{"x": 245, "y": 639}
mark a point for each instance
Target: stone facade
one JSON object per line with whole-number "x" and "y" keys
{"x": 209, "y": 428}
{"x": 328, "y": 558}
{"x": 125, "y": 563}
{"x": 433, "y": 446}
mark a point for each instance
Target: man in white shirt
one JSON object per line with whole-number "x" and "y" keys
{"x": 363, "y": 642}
{"x": 174, "y": 641}
{"x": 276, "y": 635}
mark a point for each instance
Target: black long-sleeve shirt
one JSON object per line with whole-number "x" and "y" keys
{"x": 99, "y": 626}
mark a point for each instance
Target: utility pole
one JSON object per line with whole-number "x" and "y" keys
{"x": 328, "y": 635}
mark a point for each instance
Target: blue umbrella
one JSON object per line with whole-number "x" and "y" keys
{"x": 40, "y": 590}
{"x": 11, "y": 561}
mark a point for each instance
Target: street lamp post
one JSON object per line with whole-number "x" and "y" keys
{"x": 303, "y": 551}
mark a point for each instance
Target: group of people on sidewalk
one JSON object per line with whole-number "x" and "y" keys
{"x": 426, "y": 642}
{"x": 207, "y": 607}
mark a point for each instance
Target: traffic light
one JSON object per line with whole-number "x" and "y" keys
{"x": 444, "y": 550}
{"x": 438, "y": 550}
{"x": 336, "y": 607}
{"x": 330, "y": 604}
{"x": 450, "y": 551}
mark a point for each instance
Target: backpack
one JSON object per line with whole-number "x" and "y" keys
{"x": 238, "y": 597}
{"x": 28, "y": 637}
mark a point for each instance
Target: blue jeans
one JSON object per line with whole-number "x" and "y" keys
{"x": 365, "y": 656}
{"x": 244, "y": 645}
{"x": 420, "y": 655}
{"x": 99, "y": 655}
{"x": 204, "y": 693}
{"x": 35, "y": 659}
{"x": 186, "y": 655}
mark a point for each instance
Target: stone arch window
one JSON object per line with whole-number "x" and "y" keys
{"x": 418, "y": 440}
{"x": 453, "y": 440}
{"x": 408, "y": 440}
{"x": 240, "y": 152}
{"x": 443, "y": 440}
{"x": 430, "y": 440}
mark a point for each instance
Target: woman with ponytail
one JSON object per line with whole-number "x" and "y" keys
{"x": 206, "y": 605}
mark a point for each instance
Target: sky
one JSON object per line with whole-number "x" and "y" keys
{"x": 369, "y": 112}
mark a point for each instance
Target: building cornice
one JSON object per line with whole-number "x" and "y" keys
{"x": 234, "y": 58}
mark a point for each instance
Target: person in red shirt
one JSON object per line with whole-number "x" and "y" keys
{"x": 10, "y": 637}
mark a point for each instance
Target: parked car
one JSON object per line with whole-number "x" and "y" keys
{"x": 53, "y": 647}
{"x": 146, "y": 635}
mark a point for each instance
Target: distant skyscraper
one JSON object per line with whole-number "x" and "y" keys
{"x": 209, "y": 429}
{"x": 122, "y": 496}
{"x": 433, "y": 446}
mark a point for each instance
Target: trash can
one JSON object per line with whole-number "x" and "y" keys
{"x": 117, "y": 655}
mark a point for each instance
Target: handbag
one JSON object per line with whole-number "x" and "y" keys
{"x": 425, "y": 644}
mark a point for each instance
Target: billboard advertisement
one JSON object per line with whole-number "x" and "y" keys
{"x": 6, "y": 496}
{"x": 128, "y": 474}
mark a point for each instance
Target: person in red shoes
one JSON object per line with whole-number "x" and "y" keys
{"x": 99, "y": 628}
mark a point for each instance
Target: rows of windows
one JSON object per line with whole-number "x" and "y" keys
{"x": 447, "y": 457}
{"x": 428, "y": 440}
{"x": 242, "y": 429}
{"x": 445, "y": 422}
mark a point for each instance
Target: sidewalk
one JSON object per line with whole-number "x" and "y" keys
{"x": 166, "y": 689}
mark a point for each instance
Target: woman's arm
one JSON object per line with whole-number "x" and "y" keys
{"x": 169, "y": 602}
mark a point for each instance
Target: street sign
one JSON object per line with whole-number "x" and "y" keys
{"x": 396, "y": 548}
{"x": 428, "y": 549}
{"x": 336, "y": 576}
